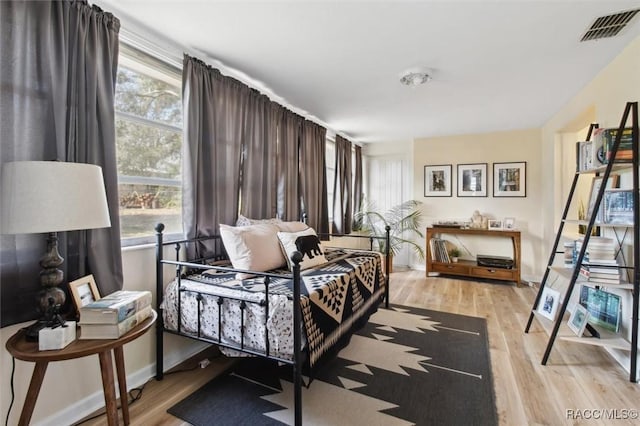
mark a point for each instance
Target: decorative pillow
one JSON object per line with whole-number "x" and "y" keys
{"x": 252, "y": 247}
{"x": 245, "y": 221}
{"x": 307, "y": 243}
{"x": 292, "y": 226}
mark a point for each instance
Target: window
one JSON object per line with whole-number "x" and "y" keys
{"x": 148, "y": 106}
{"x": 330, "y": 161}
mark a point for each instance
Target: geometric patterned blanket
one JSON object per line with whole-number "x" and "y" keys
{"x": 334, "y": 295}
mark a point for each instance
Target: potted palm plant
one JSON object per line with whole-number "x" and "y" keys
{"x": 403, "y": 221}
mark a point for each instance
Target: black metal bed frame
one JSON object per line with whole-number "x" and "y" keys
{"x": 219, "y": 254}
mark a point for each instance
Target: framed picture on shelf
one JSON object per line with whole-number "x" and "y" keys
{"x": 510, "y": 179}
{"x": 509, "y": 223}
{"x": 596, "y": 184}
{"x": 578, "y": 320}
{"x": 494, "y": 224}
{"x": 604, "y": 308}
{"x": 618, "y": 206}
{"x": 83, "y": 291}
{"x": 472, "y": 180}
{"x": 437, "y": 181}
{"x": 549, "y": 302}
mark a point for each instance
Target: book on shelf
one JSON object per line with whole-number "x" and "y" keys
{"x": 114, "y": 331}
{"x": 115, "y": 308}
{"x": 607, "y": 138}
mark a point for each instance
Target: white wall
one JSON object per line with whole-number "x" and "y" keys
{"x": 489, "y": 148}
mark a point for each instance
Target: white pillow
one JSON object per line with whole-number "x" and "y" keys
{"x": 292, "y": 226}
{"x": 245, "y": 221}
{"x": 307, "y": 243}
{"x": 252, "y": 247}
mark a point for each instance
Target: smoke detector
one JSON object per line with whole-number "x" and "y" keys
{"x": 415, "y": 77}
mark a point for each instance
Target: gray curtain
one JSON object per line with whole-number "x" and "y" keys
{"x": 213, "y": 111}
{"x": 342, "y": 188}
{"x": 313, "y": 176}
{"x": 58, "y": 74}
{"x": 357, "y": 179}
{"x": 289, "y": 133}
{"x": 258, "y": 193}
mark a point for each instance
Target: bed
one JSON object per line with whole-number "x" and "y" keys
{"x": 226, "y": 292}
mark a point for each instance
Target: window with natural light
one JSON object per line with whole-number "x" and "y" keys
{"x": 148, "y": 106}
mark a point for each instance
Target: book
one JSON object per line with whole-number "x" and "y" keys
{"x": 114, "y": 331}
{"x": 115, "y": 307}
{"x": 608, "y": 136}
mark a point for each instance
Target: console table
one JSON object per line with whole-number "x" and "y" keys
{"x": 470, "y": 268}
{"x": 21, "y": 349}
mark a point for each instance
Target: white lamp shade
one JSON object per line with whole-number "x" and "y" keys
{"x": 52, "y": 196}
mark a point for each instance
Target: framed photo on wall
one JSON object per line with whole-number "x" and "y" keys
{"x": 472, "y": 180}
{"x": 510, "y": 179}
{"x": 84, "y": 291}
{"x": 437, "y": 181}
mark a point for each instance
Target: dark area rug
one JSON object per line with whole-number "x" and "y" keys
{"x": 406, "y": 366}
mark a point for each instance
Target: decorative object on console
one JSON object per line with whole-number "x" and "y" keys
{"x": 454, "y": 254}
{"x": 509, "y": 223}
{"x": 510, "y": 179}
{"x": 437, "y": 181}
{"x": 472, "y": 180}
{"x": 478, "y": 221}
{"x": 495, "y": 224}
{"x": 50, "y": 197}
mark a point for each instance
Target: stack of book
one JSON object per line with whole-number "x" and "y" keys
{"x": 439, "y": 251}
{"x": 605, "y": 138}
{"x": 600, "y": 264}
{"x": 114, "y": 315}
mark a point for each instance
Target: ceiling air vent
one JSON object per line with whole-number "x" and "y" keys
{"x": 609, "y": 26}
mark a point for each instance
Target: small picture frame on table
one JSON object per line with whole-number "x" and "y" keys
{"x": 437, "y": 180}
{"x": 510, "y": 179}
{"x": 509, "y": 223}
{"x": 549, "y": 302}
{"x": 494, "y": 224}
{"x": 578, "y": 320}
{"x": 83, "y": 291}
{"x": 472, "y": 180}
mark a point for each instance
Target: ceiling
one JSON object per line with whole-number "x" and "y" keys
{"x": 495, "y": 65}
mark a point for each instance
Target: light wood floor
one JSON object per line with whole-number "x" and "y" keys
{"x": 577, "y": 379}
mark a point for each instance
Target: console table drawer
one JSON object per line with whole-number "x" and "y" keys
{"x": 450, "y": 268}
{"x": 495, "y": 273}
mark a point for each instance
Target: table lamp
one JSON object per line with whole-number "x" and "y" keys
{"x": 50, "y": 197}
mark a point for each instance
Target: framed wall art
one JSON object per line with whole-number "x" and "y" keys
{"x": 472, "y": 180}
{"x": 510, "y": 179}
{"x": 437, "y": 181}
{"x": 84, "y": 291}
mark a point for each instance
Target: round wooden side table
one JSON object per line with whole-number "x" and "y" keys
{"x": 23, "y": 350}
